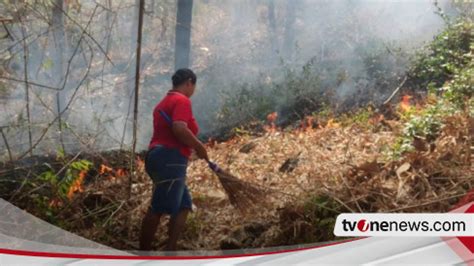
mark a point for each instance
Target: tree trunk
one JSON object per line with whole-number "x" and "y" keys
{"x": 136, "y": 93}
{"x": 183, "y": 33}
{"x": 272, "y": 29}
{"x": 289, "y": 35}
{"x": 59, "y": 34}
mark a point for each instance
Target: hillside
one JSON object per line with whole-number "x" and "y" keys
{"x": 412, "y": 154}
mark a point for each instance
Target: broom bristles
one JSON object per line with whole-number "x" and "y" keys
{"x": 241, "y": 194}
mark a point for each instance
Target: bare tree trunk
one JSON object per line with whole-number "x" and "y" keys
{"x": 137, "y": 87}
{"x": 57, "y": 22}
{"x": 109, "y": 21}
{"x": 183, "y": 33}
{"x": 130, "y": 70}
{"x": 272, "y": 29}
{"x": 289, "y": 35}
{"x": 27, "y": 88}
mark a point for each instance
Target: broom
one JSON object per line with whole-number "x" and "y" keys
{"x": 241, "y": 194}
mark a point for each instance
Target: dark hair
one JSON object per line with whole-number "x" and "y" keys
{"x": 183, "y": 75}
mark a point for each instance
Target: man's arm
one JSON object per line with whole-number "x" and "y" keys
{"x": 185, "y": 136}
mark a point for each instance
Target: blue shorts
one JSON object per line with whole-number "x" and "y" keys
{"x": 167, "y": 168}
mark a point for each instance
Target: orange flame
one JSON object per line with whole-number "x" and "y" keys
{"x": 113, "y": 174}
{"x": 104, "y": 169}
{"x": 55, "y": 203}
{"x": 332, "y": 124}
{"x": 77, "y": 185}
{"x": 120, "y": 172}
{"x": 405, "y": 103}
{"x": 271, "y": 118}
{"x": 376, "y": 119}
{"x": 307, "y": 123}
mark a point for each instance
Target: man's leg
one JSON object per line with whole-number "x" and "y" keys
{"x": 148, "y": 230}
{"x": 176, "y": 226}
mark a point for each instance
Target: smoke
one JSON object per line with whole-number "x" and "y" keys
{"x": 233, "y": 43}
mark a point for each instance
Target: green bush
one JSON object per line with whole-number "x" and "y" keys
{"x": 295, "y": 94}
{"x": 460, "y": 89}
{"x": 450, "y": 51}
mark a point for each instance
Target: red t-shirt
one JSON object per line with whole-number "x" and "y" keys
{"x": 178, "y": 107}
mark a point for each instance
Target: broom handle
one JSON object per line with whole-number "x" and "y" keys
{"x": 166, "y": 117}
{"x": 213, "y": 166}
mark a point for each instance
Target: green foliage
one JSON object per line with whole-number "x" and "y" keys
{"x": 423, "y": 124}
{"x": 450, "y": 51}
{"x": 447, "y": 70}
{"x": 324, "y": 113}
{"x": 60, "y": 184}
{"x": 360, "y": 117}
{"x": 55, "y": 187}
{"x": 321, "y": 211}
{"x": 193, "y": 227}
{"x": 297, "y": 93}
{"x": 460, "y": 89}
{"x": 426, "y": 125}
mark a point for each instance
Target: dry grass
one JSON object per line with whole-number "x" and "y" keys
{"x": 345, "y": 166}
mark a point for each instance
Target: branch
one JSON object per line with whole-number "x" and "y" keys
{"x": 396, "y": 91}
{"x": 76, "y": 49}
{"x": 87, "y": 33}
{"x": 31, "y": 83}
{"x": 6, "y": 144}
{"x": 64, "y": 110}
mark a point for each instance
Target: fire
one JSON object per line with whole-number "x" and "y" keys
{"x": 307, "y": 123}
{"x": 332, "y": 124}
{"x": 77, "y": 185}
{"x": 405, "y": 103}
{"x": 55, "y": 203}
{"x": 120, "y": 172}
{"x": 104, "y": 169}
{"x": 113, "y": 174}
{"x": 376, "y": 119}
{"x": 271, "y": 118}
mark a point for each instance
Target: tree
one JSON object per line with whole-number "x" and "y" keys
{"x": 183, "y": 33}
{"x": 59, "y": 33}
{"x": 289, "y": 35}
{"x": 272, "y": 28}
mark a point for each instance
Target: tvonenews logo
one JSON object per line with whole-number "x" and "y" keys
{"x": 404, "y": 224}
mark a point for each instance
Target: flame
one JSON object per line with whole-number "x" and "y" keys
{"x": 332, "y": 124}
{"x": 77, "y": 185}
{"x": 307, "y": 123}
{"x": 405, "y": 103}
{"x": 104, "y": 169}
{"x": 377, "y": 119}
{"x": 55, "y": 203}
{"x": 120, "y": 172}
{"x": 113, "y": 174}
{"x": 271, "y": 118}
